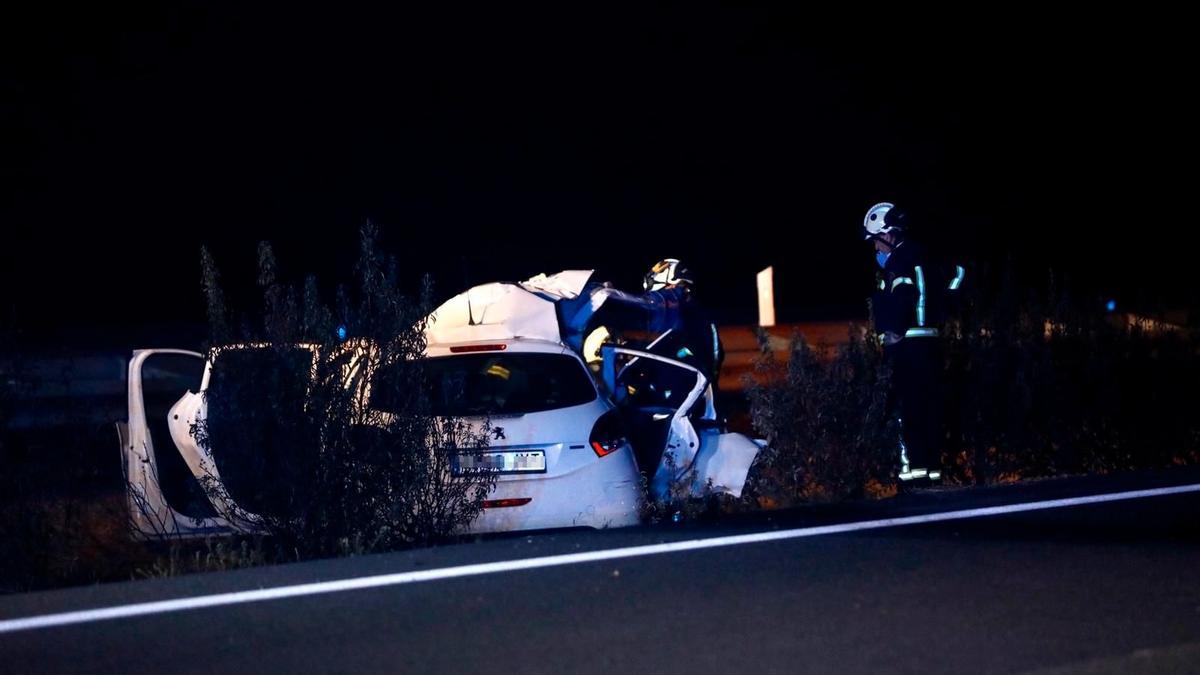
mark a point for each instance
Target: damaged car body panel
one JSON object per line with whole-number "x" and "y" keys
{"x": 699, "y": 459}
{"x": 174, "y": 485}
{"x": 544, "y": 413}
{"x": 503, "y": 357}
{"x": 166, "y": 498}
{"x": 501, "y": 345}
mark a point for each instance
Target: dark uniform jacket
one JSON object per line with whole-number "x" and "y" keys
{"x": 913, "y": 293}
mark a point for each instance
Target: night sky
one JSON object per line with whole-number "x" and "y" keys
{"x": 497, "y": 143}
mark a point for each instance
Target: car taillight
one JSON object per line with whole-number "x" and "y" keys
{"x": 467, "y": 349}
{"x": 506, "y": 503}
{"x": 608, "y": 435}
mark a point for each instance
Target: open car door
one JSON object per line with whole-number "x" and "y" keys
{"x": 166, "y": 497}
{"x": 174, "y": 484}
{"x": 695, "y": 456}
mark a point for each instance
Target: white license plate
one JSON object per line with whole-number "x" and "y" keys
{"x": 523, "y": 461}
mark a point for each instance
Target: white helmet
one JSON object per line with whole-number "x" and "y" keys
{"x": 875, "y": 222}
{"x": 665, "y": 273}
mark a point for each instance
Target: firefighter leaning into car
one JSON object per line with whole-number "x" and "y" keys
{"x": 684, "y": 332}
{"x": 908, "y": 307}
{"x": 688, "y": 334}
{"x": 668, "y": 312}
{"x": 678, "y": 328}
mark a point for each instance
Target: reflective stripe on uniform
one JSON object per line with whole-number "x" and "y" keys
{"x": 958, "y": 277}
{"x": 900, "y": 280}
{"x": 921, "y": 299}
{"x": 921, "y": 332}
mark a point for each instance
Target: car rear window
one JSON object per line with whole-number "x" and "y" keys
{"x": 493, "y": 384}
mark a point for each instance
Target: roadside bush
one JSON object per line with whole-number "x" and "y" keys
{"x": 1036, "y": 384}
{"x": 305, "y": 451}
{"x": 825, "y": 421}
{"x": 1044, "y": 384}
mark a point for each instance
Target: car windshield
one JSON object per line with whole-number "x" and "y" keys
{"x": 493, "y": 384}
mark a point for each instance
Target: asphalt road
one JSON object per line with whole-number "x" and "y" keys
{"x": 1110, "y": 587}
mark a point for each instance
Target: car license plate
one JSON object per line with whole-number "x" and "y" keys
{"x": 521, "y": 461}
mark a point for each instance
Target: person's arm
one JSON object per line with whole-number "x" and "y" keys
{"x": 620, "y": 311}
{"x": 898, "y": 304}
{"x": 890, "y": 310}
{"x": 954, "y": 292}
{"x": 908, "y": 291}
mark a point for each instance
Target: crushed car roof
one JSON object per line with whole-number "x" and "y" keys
{"x": 505, "y": 311}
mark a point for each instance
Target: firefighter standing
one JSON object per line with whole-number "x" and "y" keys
{"x": 908, "y": 307}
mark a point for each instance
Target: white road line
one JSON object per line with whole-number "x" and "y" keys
{"x": 222, "y": 599}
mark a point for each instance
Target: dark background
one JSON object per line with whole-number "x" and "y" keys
{"x": 495, "y": 143}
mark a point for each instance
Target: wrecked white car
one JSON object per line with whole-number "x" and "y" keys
{"x": 566, "y": 451}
